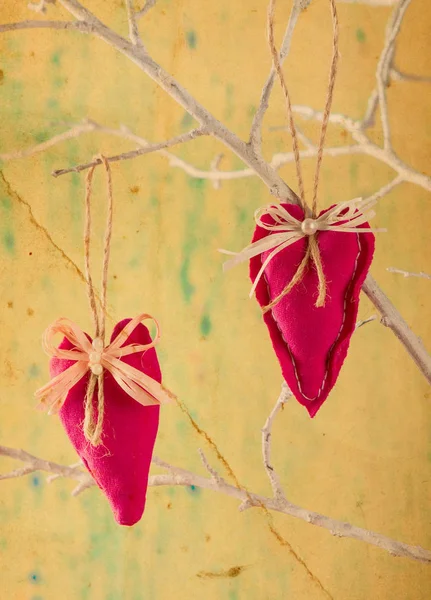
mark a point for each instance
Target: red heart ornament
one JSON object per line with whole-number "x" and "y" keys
{"x": 311, "y": 343}
{"x": 121, "y": 463}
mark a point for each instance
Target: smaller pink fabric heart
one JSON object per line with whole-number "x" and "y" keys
{"x": 311, "y": 343}
{"x": 120, "y": 465}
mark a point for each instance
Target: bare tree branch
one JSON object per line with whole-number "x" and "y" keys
{"x": 255, "y": 139}
{"x": 139, "y": 56}
{"x": 378, "y": 96}
{"x": 391, "y": 318}
{"x": 397, "y": 75}
{"x": 370, "y": 2}
{"x": 277, "y": 488}
{"x": 148, "y": 5}
{"x": 365, "y": 321}
{"x": 179, "y": 476}
{"x": 81, "y": 26}
{"x": 133, "y": 25}
{"x": 148, "y": 148}
{"x": 41, "y": 6}
{"x": 422, "y": 275}
{"x": 366, "y": 146}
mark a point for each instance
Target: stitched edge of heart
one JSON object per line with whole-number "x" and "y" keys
{"x": 331, "y": 349}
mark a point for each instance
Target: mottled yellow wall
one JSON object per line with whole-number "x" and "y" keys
{"x": 365, "y": 458}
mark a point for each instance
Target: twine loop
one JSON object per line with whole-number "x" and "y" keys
{"x": 311, "y": 224}
{"x": 92, "y": 355}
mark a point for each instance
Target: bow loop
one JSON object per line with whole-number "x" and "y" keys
{"x": 285, "y": 230}
{"x": 138, "y": 385}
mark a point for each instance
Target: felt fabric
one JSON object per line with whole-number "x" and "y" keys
{"x": 120, "y": 465}
{"x": 311, "y": 343}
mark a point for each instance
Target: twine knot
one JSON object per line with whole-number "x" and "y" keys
{"x": 285, "y": 230}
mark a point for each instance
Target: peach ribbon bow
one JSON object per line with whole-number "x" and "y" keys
{"x": 91, "y": 355}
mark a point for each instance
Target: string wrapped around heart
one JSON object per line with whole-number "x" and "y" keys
{"x": 285, "y": 229}
{"x": 92, "y": 356}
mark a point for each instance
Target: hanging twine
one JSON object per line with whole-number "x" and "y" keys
{"x": 93, "y": 425}
{"x": 347, "y": 217}
{"x": 92, "y": 355}
{"x": 312, "y": 250}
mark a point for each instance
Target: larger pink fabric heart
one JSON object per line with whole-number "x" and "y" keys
{"x": 311, "y": 343}
{"x": 120, "y": 465}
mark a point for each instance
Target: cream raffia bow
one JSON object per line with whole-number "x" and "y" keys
{"x": 91, "y": 356}
{"x": 285, "y": 230}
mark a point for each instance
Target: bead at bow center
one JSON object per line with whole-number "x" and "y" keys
{"x": 309, "y": 226}
{"x": 97, "y": 344}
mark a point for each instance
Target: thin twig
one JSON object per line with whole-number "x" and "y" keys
{"x": 277, "y": 488}
{"x": 179, "y": 139}
{"x": 422, "y": 275}
{"x": 41, "y": 6}
{"x": 81, "y": 26}
{"x": 214, "y": 474}
{"x": 148, "y": 5}
{"x": 397, "y": 75}
{"x": 378, "y": 96}
{"x": 133, "y": 25}
{"x": 391, "y": 318}
{"x": 255, "y": 139}
{"x": 365, "y": 321}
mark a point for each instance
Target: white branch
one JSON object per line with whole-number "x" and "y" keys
{"x": 148, "y": 5}
{"x": 133, "y": 25}
{"x": 370, "y": 2}
{"x": 146, "y": 149}
{"x": 366, "y": 146}
{"x": 81, "y": 26}
{"x": 179, "y": 476}
{"x": 277, "y": 488}
{"x": 391, "y": 318}
{"x": 383, "y": 73}
{"x": 365, "y": 321}
{"x": 139, "y": 56}
{"x": 397, "y": 75}
{"x": 422, "y": 275}
{"x": 41, "y": 6}
{"x": 255, "y": 140}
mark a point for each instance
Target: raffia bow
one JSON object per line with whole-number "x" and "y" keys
{"x": 346, "y": 217}
{"x": 91, "y": 356}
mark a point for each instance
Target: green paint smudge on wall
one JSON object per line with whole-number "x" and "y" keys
{"x": 360, "y": 35}
{"x": 6, "y": 203}
{"x": 9, "y": 241}
{"x": 205, "y": 325}
{"x": 186, "y": 286}
{"x": 197, "y": 184}
{"x": 41, "y": 136}
{"x": 56, "y": 58}
{"x": 192, "y": 39}
{"x": 33, "y": 371}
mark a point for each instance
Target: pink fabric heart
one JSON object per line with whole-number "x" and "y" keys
{"x": 120, "y": 465}
{"x": 311, "y": 343}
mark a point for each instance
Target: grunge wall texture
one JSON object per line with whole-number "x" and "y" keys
{"x": 365, "y": 458}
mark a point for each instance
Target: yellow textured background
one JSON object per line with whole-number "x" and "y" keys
{"x": 366, "y": 456}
